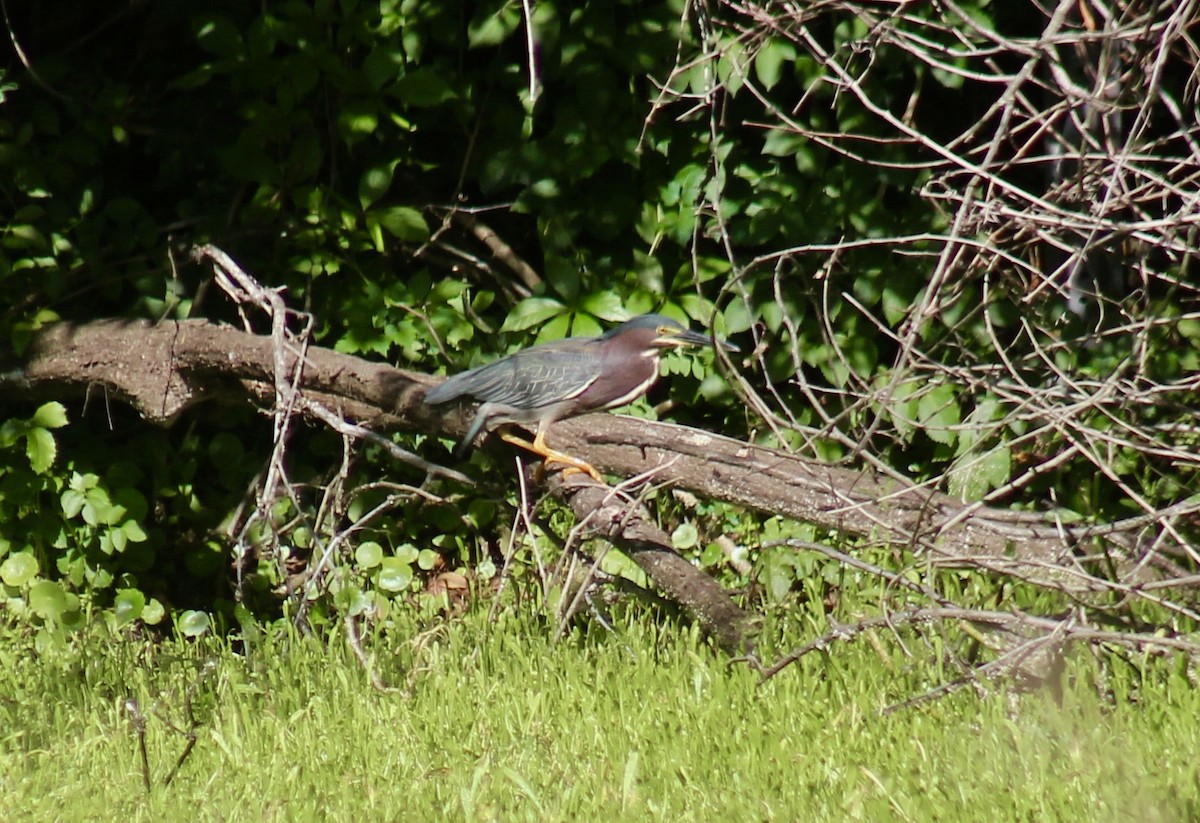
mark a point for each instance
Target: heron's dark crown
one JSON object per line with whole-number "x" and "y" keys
{"x": 656, "y": 323}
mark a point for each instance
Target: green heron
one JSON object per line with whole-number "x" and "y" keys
{"x": 542, "y": 384}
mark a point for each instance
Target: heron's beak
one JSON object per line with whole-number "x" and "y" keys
{"x": 687, "y": 337}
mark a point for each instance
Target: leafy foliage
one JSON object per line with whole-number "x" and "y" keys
{"x": 824, "y": 186}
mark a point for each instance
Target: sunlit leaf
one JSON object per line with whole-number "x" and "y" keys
{"x": 685, "y": 536}
{"x": 937, "y": 411}
{"x": 192, "y": 623}
{"x": 48, "y": 600}
{"x": 154, "y": 612}
{"x": 18, "y": 569}
{"x": 41, "y": 449}
{"x": 607, "y": 305}
{"x": 128, "y": 605}
{"x": 394, "y": 575}
{"x": 368, "y": 555}
{"x": 51, "y": 415}
{"x": 531, "y": 312}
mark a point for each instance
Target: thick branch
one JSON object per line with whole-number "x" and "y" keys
{"x": 162, "y": 369}
{"x": 627, "y": 524}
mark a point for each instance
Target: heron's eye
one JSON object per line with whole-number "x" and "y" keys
{"x": 665, "y": 331}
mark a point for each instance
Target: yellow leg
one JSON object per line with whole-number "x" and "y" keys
{"x": 549, "y": 455}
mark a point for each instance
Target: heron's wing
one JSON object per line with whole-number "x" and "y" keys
{"x": 528, "y": 379}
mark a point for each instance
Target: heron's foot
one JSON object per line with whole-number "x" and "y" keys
{"x": 549, "y": 456}
{"x": 573, "y": 466}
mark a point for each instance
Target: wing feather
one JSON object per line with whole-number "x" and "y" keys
{"x": 546, "y": 375}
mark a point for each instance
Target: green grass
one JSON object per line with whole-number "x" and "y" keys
{"x": 641, "y": 725}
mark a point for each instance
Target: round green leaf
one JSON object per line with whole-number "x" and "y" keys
{"x": 18, "y": 569}
{"x": 193, "y": 623}
{"x": 368, "y": 555}
{"x": 394, "y": 575}
{"x": 154, "y": 612}
{"x": 128, "y": 606}
{"x": 685, "y": 536}
{"x": 48, "y": 600}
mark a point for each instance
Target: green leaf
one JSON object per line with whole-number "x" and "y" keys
{"x": 368, "y": 555}
{"x": 557, "y": 328}
{"x": 358, "y": 119}
{"x": 374, "y": 183}
{"x": 404, "y": 223}
{"x": 353, "y": 601}
{"x": 226, "y": 452}
{"x": 711, "y": 555}
{"x": 607, "y": 305}
{"x": 777, "y": 573}
{"x": 154, "y": 612}
{"x": 428, "y": 559}
{"x": 98, "y": 508}
{"x": 582, "y": 325}
{"x": 423, "y": 88}
{"x": 780, "y": 143}
{"x": 193, "y": 623}
{"x": 685, "y": 536}
{"x": 707, "y": 268}
{"x": 407, "y": 553}
{"x": 100, "y": 578}
{"x": 770, "y": 60}
{"x": 128, "y": 606}
{"x": 481, "y": 512}
{"x": 12, "y": 431}
{"x": 974, "y": 476}
{"x": 532, "y": 311}
{"x": 40, "y": 446}
{"x": 394, "y": 575}
{"x": 18, "y": 569}
{"x": 113, "y": 540}
{"x": 48, "y": 600}
{"x": 51, "y": 415}
{"x": 495, "y": 28}
{"x": 731, "y": 66}
{"x": 133, "y": 531}
{"x": 72, "y": 503}
{"x": 1189, "y": 327}
{"x": 937, "y": 411}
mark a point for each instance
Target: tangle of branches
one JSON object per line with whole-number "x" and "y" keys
{"x": 1057, "y": 314}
